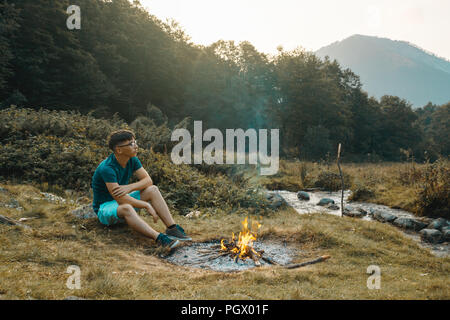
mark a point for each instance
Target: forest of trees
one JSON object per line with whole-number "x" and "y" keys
{"x": 123, "y": 60}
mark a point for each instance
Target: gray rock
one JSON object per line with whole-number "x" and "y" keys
{"x": 333, "y": 207}
{"x": 325, "y": 201}
{"x": 438, "y": 224}
{"x": 364, "y": 212}
{"x": 431, "y": 235}
{"x": 302, "y": 195}
{"x": 409, "y": 223}
{"x": 276, "y": 201}
{"x": 383, "y": 216}
{"x": 52, "y": 197}
{"x": 13, "y": 203}
{"x": 446, "y": 234}
{"x": 84, "y": 212}
{"x": 354, "y": 212}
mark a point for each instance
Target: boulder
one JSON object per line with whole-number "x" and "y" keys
{"x": 446, "y": 234}
{"x": 333, "y": 207}
{"x": 409, "y": 223}
{"x": 325, "y": 201}
{"x": 276, "y": 201}
{"x": 383, "y": 216}
{"x": 438, "y": 224}
{"x": 431, "y": 235}
{"x": 302, "y": 195}
{"x": 354, "y": 212}
{"x": 84, "y": 212}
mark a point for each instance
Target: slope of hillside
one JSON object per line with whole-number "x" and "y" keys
{"x": 393, "y": 67}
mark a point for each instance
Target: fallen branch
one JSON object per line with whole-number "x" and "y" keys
{"x": 216, "y": 256}
{"x": 6, "y": 220}
{"x": 298, "y": 265}
{"x": 269, "y": 260}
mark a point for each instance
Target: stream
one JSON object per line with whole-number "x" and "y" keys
{"x": 310, "y": 207}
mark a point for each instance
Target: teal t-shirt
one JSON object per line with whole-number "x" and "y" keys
{"x": 109, "y": 170}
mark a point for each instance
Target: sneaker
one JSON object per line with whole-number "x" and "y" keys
{"x": 177, "y": 233}
{"x": 165, "y": 241}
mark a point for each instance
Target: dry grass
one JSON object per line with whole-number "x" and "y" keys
{"x": 117, "y": 263}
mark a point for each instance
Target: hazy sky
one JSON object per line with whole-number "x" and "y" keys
{"x": 309, "y": 24}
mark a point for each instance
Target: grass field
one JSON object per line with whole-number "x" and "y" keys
{"x": 117, "y": 263}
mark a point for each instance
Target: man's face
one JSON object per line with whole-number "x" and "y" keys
{"x": 128, "y": 148}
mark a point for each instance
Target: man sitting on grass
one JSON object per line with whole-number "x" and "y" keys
{"x": 116, "y": 201}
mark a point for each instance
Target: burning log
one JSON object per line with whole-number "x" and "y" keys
{"x": 254, "y": 256}
{"x": 243, "y": 249}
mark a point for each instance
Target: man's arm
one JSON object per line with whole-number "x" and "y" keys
{"x": 132, "y": 201}
{"x": 144, "y": 182}
{"x": 125, "y": 198}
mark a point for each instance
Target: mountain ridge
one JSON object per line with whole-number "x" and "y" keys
{"x": 393, "y": 67}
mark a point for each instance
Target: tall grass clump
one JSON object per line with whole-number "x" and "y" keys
{"x": 433, "y": 196}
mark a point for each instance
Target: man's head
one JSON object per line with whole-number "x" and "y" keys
{"x": 123, "y": 142}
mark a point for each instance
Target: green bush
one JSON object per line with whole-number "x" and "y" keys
{"x": 61, "y": 161}
{"x": 361, "y": 192}
{"x": 185, "y": 186}
{"x": 63, "y": 149}
{"x": 331, "y": 181}
{"x": 21, "y": 123}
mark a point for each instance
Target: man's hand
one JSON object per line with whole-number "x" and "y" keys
{"x": 120, "y": 191}
{"x": 152, "y": 211}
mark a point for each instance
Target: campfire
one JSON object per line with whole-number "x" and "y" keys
{"x": 243, "y": 248}
{"x": 240, "y": 247}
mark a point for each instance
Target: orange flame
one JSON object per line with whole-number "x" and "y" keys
{"x": 245, "y": 240}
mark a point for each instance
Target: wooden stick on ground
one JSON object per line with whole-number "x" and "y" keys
{"x": 12, "y": 222}
{"x": 298, "y": 265}
{"x": 269, "y": 260}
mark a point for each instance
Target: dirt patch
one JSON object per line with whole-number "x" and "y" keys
{"x": 205, "y": 255}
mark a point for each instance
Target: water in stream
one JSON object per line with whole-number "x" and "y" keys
{"x": 310, "y": 206}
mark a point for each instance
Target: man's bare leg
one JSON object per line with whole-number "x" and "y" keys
{"x": 127, "y": 212}
{"x": 157, "y": 201}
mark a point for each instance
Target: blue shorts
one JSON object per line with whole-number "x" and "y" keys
{"x": 107, "y": 213}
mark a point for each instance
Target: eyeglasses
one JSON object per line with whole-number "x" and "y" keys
{"x": 132, "y": 143}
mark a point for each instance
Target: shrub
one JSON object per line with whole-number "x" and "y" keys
{"x": 331, "y": 181}
{"x": 433, "y": 197}
{"x": 361, "y": 192}
{"x": 186, "y": 187}
{"x": 61, "y": 148}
